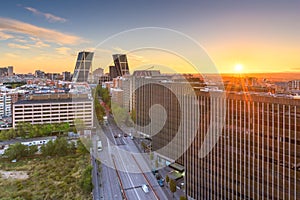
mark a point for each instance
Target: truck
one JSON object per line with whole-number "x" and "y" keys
{"x": 105, "y": 120}
{"x": 99, "y": 145}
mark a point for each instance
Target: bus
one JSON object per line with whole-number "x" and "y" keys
{"x": 99, "y": 146}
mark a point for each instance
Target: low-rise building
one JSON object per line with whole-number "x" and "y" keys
{"x": 54, "y": 108}
{"x": 28, "y": 142}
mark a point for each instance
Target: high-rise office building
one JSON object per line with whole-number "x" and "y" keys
{"x": 83, "y": 66}
{"x": 121, "y": 64}
{"x": 257, "y": 151}
{"x": 113, "y": 72}
{"x": 257, "y": 154}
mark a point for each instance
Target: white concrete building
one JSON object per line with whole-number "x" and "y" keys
{"x": 54, "y": 109}
{"x": 5, "y": 105}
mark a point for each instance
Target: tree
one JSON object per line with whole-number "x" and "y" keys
{"x": 173, "y": 186}
{"x": 7, "y": 134}
{"x": 133, "y": 115}
{"x": 79, "y": 124}
{"x": 48, "y": 149}
{"x": 156, "y": 163}
{"x": 105, "y": 96}
{"x": 151, "y": 156}
{"x": 81, "y": 149}
{"x": 72, "y": 147}
{"x": 16, "y": 151}
{"x": 61, "y": 147}
{"x": 86, "y": 180}
{"x": 31, "y": 150}
{"x": 167, "y": 179}
{"x": 100, "y": 112}
{"x": 144, "y": 146}
{"x": 182, "y": 198}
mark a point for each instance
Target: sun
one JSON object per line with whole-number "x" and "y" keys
{"x": 238, "y": 68}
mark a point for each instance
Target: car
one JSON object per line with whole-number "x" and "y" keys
{"x": 115, "y": 136}
{"x": 119, "y": 135}
{"x": 158, "y": 176}
{"x": 145, "y": 188}
{"x": 125, "y": 135}
{"x": 161, "y": 182}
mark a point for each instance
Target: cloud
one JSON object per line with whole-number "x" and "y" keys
{"x": 20, "y": 40}
{"x": 38, "y": 32}
{"x": 11, "y": 55}
{"x": 63, "y": 50}
{"x": 295, "y": 68}
{"x": 18, "y": 46}
{"x": 39, "y": 44}
{"x": 50, "y": 17}
{"x": 5, "y": 36}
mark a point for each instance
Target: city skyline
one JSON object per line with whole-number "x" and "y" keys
{"x": 46, "y": 36}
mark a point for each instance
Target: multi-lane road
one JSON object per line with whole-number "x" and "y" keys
{"x": 124, "y": 169}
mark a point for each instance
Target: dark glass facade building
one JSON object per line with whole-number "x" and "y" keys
{"x": 113, "y": 72}
{"x": 83, "y": 66}
{"x": 121, "y": 64}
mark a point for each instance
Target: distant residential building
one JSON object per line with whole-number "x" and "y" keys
{"x": 5, "y": 105}
{"x": 98, "y": 72}
{"x": 83, "y": 66}
{"x": 3, "y": 71}
{"x": 54, "y": 108}
{"x": 66, "y": 76}
{"x": 104, "y": 79}
{"x": 294, "y": 85}
{"x": 14, "y": 96}
{"x": 113, "y": 72}
{"x": 10, "y": 70}
{"x": 53, "y": 76}
{"x": 121, "y": 64}
{"x": 141, "y": 73}
{"x": 39, "y": 74}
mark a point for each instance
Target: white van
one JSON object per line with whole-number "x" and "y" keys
{"x": 145, "y": 188}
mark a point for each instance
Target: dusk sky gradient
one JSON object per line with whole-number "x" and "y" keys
{"x": 263, "y": 36}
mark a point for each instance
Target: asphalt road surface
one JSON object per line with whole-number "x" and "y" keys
{"x": 132, "y": 171}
